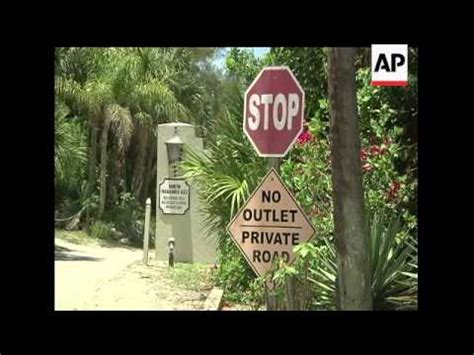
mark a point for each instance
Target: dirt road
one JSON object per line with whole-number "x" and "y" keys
{"x": 102, "y": 278}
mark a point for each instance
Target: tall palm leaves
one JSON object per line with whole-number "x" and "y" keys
{"x": 100, "y": 83}
{"x": 225, "y": 174}
{"x": 123, "y": 93}
{"x": 76, "y": 63}
{"x": 228, "y": 171}
{"x": 86, "y": 91}
{"x": 69, "y": 144}
{"x": 90, "y": 96}
{"x": 157, "y": 100}
{"x": 151, "y": 102}
{"x": 119, "y": 119}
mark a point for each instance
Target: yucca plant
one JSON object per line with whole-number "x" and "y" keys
{"x": 394, "y": 263}
{"x": 324, "y": 276}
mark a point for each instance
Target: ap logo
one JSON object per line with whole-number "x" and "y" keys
{"x": 390, "y": 64}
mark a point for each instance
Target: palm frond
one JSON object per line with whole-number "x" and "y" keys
{"x": 70, "y": 149}
{"x": 121, "y": 124}
{"x": 155, "y": 98}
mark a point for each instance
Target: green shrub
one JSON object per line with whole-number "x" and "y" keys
{"x": 128, "y": 217}
{"x": 102, "y": 230}
{"x": 230, "y": 170}
{"x": 234, "y": 274}
{"x": 388, "y": 147}
{"x": 313, "y": 276}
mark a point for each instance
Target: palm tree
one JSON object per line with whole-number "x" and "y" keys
{"x": 148, "y": 73}
{"x": 93, "y": 96}
{"x": 119, "y": 119}
{"x": 123, "y": 93}
{"x": 69, "y": 146}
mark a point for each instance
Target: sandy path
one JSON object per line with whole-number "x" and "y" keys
{"x": 99, "y": 278}
{"x": 80, "y": 269}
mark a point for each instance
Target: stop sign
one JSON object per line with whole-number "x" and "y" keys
{"x": 273, "y": 111}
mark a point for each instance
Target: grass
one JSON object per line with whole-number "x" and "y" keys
{"x": 76, "y": 237}
{"x": 191, "y": 276}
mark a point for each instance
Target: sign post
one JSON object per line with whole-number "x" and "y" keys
{"x": 270, "y": 294}
{"x": 147, "y": 230}
{"x": 273, "y": 120}
{"x": 270, "y": 225}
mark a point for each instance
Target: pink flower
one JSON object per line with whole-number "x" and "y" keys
{"x": 367, "y": 167}
{"x": 374, "y": 150}
{"x": 305, "y": 137}
{"x": 394, "y": 187}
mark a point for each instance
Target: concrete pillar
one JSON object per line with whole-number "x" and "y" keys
{"x": 192, "y": 243}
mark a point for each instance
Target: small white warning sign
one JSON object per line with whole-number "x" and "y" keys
{"x": 174, "y": 196}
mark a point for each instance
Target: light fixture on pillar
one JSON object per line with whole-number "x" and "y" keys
{"x": 174, "y": 148}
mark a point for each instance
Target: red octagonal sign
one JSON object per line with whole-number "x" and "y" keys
{"x": 273, "y": 111}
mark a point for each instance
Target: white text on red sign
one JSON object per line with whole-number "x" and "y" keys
{"x": 284, "y": 111}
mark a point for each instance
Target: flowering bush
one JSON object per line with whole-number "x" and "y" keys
{"x": 388, "y": 155}
{"x": 388, "y": 163}
{"x": 305, "y": 137}
{"x": 307, "y": 172}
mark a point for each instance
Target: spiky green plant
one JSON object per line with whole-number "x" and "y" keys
{"x": 394, "y": 258}
{"x": 324, "y": 276}
{"x": 394, "y": 263}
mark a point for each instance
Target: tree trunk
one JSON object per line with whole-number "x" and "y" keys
{"x": 348, "y": 195}
{"x": 148, "y": 172}
{"x": 103, "y": 165}
{"x": 139, "y": 165}
{"x": 92, "y": 162}
{"x": 153, "y": 171}
{"x": 115, "y": 174}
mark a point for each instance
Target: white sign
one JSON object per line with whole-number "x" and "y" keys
{"x": 389, "y": 64}
{"x": 174, "y": 196}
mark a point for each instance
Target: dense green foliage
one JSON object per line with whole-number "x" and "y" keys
{"x": 387, "y": 124}
{"x": 69, "y": 146}
{"x": 108, "y": 104}
{"x": 110, "y": 100}
{"x": 226, "y": 175}
{"x": 393, "y": 256}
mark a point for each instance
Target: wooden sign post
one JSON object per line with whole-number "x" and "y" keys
{"x": 273, "y": 120}
{"x": 269, "y": 226}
